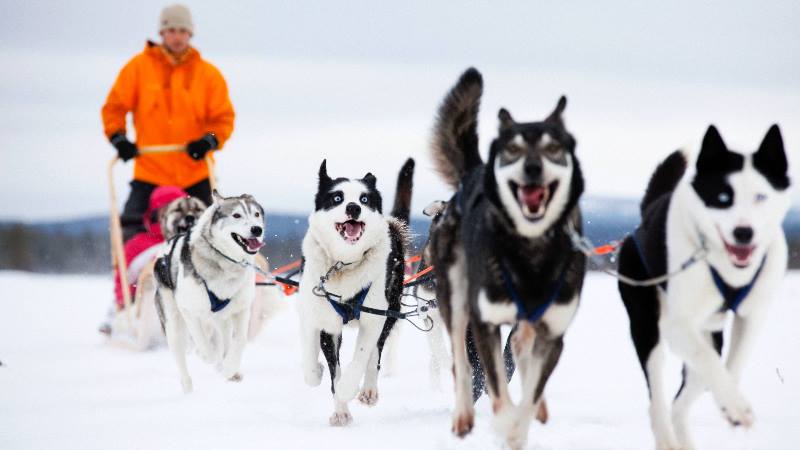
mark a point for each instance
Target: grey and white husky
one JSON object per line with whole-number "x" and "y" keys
{"x": 732, "y": 204}
{"x": 361, "y": 254}
{"x": 502, "y": 252}
{"x": 206, "y": 285}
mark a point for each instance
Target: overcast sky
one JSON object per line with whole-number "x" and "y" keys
{"x": 359, "y": 83}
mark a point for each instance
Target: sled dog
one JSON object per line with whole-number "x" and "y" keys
{"x": 731, "y": 205}
{"x": 359, "y": 253}
{"x": 502, "y": 251}
{"x": 206, "y": 285}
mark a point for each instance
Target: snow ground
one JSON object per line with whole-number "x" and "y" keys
{"x": 63, "y": 386}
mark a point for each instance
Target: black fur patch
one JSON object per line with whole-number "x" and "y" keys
{"x": 714, "y": 164}
{"x": 770, "y": 159}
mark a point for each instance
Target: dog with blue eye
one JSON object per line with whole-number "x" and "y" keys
{"x": 729, "y": 208}
{"x": 353, "y": 261}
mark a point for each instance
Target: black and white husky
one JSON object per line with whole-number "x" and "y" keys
{"x": 206, "y": 285}
{"x": 360, "y": 253}
{"x": 732, "y": 205}
{"x": 502, "y": 252}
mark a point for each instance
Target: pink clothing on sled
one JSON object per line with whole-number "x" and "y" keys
{"x": 143, "y": 247}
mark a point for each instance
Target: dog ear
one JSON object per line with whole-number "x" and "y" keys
{"x": 324, "y": 179}
{"x": 555, "y": 116}
{"x": 370, "y": 180}
{"x": 770, "y": 159}
{"x": 711, "y": 151}
{"x": 506, "y": 121}
{"x": 217, "y": 197}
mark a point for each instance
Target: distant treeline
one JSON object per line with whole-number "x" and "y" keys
{"x": 82, "y": 246}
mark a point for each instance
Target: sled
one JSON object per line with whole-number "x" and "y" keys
{"x": 129, "y": 318}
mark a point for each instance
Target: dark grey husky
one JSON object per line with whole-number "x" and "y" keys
{"x": 502, "y": 252}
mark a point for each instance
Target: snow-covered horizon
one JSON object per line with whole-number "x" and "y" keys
{"x": 63, "y": 386}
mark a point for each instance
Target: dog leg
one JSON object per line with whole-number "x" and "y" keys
{"x": 464, "y": 413}
{"x": 330, "y": 346}
{"x": 490, "y": 350}
{"x": 369, "y": 330}
{"x": 312, "y": 369}
{"x": 699, "y": 355}
{"x": 205, "y": 348}
{"x": 236, "y": 336}
{"x": 691, "y": 388}
{"x": 369, "y": 391}
{"x": 176, "y": 333}
{"x": 439, "y": 356}
{"x": 743, "y": 337}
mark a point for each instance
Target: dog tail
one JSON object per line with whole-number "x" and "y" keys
{"x": 402, "y": 196}
{"x": 455, "y": 133}
{"x": 665, "y": 178}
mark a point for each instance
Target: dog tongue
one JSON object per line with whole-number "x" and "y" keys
{"x": 254, "y": 244}
{"x": 531, "y": 196}
{"x": 741, "y": 252}
{"x": 352, "y": 228}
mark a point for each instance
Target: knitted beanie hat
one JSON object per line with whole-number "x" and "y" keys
{"x": 176, "y": 16}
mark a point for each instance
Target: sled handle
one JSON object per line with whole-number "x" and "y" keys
{"x": 117, "y": 247}
{"x": 167, "y": 148}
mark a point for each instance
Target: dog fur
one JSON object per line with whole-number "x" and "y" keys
{"x": 508, "y": 216}
{"x": 348, "y": 226}
{"x": 203, "y": 264}
{"x": 734, "y": 205}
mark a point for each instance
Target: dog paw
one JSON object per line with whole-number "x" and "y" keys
{"x": 236, "y": 377}
{"x": 186, "y": 384}
{"x": 541, "y": 412}
{"x": 368, "y": 397}
{"x": 313, "y": 375}
{"x": 340, "y": 419}
{"x": 463, "y": 423}
{"x": 346, "y": 388}
{"x": 736, "y": 409}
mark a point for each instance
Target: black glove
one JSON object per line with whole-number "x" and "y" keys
{"x": 198, "y": 149}
{"x": 125, "y": 148}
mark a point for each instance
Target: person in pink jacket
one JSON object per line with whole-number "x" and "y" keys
{"x": 143, "y": 247}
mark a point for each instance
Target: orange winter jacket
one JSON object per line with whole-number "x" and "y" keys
{"x": 173, "y": 102}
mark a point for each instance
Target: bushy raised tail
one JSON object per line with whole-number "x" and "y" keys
{"x": 455, "y": 133}
{"x": 665, "y": 178}
{"x": 402, "y": 197}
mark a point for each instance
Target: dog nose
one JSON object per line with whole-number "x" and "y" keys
{"x": 353, "y": 210}
{"x": 743, "y": 235}
{"x": 256, "y": 230}
{"x": 189, "y": 220}
{"x": 533, "y": 167}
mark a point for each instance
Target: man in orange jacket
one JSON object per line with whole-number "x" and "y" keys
{"x": 176, "y": 97}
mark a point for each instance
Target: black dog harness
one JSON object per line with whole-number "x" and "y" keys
{"x": 163, "y": 269}
{"x": 351, "y": 309}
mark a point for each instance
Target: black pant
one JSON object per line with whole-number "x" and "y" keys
{"x": 139, "y": 199}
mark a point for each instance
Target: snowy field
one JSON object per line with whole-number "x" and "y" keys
{"x": 63, "y": 386}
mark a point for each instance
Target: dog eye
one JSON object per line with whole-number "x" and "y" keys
{"x": 364, "y": 199}
{"x": 724, "y": 197}
{"x": 513, "y": 150}
{"x": 237, "y": 216}
{"x": 258, "y": 214}
{"x": 337, "y": 198}
{"x": 760, "y": 198}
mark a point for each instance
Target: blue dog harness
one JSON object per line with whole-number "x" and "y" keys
{"x": 733, "y": 296}
{"x": 217, "y": 305}
{"x": 522, "y": 312}
{"x": 349, "y": 311}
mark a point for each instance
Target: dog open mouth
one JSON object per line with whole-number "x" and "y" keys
{"x": 250, "y": 246}
{"x": 739, "y": 254}
{"x": 351, "y": 231}
{"x": 533, "y": 198}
